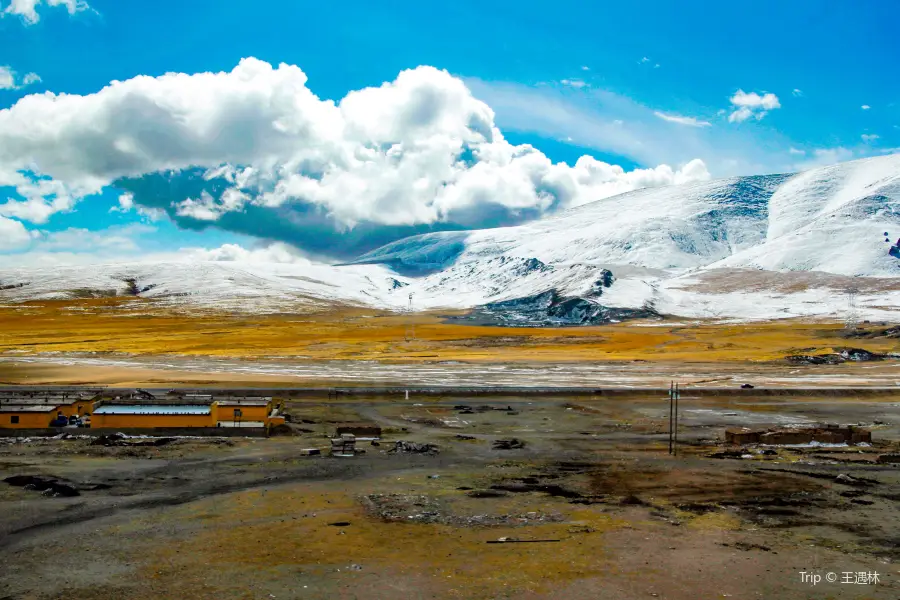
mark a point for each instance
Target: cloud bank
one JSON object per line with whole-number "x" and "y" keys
{"x": 255, "y": 151}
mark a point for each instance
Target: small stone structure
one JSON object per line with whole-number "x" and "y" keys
{"x": 344, "y": 445}
{"x": 827, "y": 434}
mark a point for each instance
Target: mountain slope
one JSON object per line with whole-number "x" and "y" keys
{"x": 744, "y": 247}
{"x": 773, "y": 222}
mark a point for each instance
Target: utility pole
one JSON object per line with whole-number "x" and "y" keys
{"x": 410, "y": 326}
{"x": 677, "y": 396}
{"x": 674, "y": 395}
{"x": 671, "y": 412}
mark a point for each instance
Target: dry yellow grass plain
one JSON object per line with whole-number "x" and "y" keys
{"x": 136, "y": 326}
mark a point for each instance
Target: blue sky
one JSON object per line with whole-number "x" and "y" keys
{"x": 630, "y": 85}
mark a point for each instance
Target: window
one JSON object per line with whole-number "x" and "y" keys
{"x": 13, "y": 419}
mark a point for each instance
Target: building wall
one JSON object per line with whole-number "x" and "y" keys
{"x": 150, "y": 421}
{"x": 84, "y": 407}
{"x": 250, "y": 413}
{"x": 27, "y": 420}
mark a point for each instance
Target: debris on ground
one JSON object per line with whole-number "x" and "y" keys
{"x": 462, "y": 437}
{"x": 512, "y": 540}
{"x": 120, "y": 439}
{"x": 727, "y": 454}
{"x": 109, "y": 439}
{"x": 413, "y": 448}
{"x": 414, "y": 508}
{"x": 310, "y": 452}
{"x": 510, "y": 444}
{"x": 48, "y": 486}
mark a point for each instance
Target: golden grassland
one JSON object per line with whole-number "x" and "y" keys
{"x": 137, "y": 326}
{"x": 265, "y": 532}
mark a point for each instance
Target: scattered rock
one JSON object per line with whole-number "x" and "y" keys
{"x": 48, "y": 486}
{"x": 510, "y": 444}
{"x": 409, "y": 508}
{"x": 413, "y": 448}
{"x": 109, "y": 439}
{"x": 487, "y": 493}
{"x": 855, "y": 481}
{"x": 631, "y": 500}
{"x": 853, "y": 493}
{"x": 727, "y": 454}
{"x": 746, "y": 546}
{"x": 835, "y": 358}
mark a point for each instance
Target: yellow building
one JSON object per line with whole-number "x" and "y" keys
{"x": 26, "y": 416}
{"x": 38, "y": 412}
{"x": 129, "y": 416}
{"x": 249, "y": 412}
{"x": 76, "y": 408}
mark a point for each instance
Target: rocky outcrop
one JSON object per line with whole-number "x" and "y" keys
{"x": 550, "y": 309}
{"x": 835, "y": 358}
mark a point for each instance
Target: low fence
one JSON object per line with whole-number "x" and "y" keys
{"x": 151, "y": 431}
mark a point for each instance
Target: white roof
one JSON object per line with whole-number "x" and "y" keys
{"x": 152, "y": 409}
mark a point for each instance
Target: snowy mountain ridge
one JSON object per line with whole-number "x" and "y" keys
{"x": 693, "y": 250}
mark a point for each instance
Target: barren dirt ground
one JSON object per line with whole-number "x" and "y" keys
{"x": 252, "y": 518}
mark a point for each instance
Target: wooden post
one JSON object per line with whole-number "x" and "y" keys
{"x": 671, "y": 406}
{"x": 675, "y": 434}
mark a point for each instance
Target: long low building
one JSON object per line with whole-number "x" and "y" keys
{"x": 129, "y": 416}
{"x": 26, "y": 416}
{"x": 38, "y": 412}
{"x": 139, "y": 409}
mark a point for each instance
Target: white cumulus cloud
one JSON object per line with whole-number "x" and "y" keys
{"x": 13, "y": 234}
{"x": 28, "y": 9}
{"x": 865, "y": 107}
{"x": 869, "y": 137}
{"x": 255, "y": 151}
{"x": 690, "y": 121}
{"x": 746, "y": 105}
{"x": 9, "y": 79}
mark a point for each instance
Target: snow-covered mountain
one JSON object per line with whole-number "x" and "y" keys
{"x": 744, "y": 247}
{"x": 829, "y": 219}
